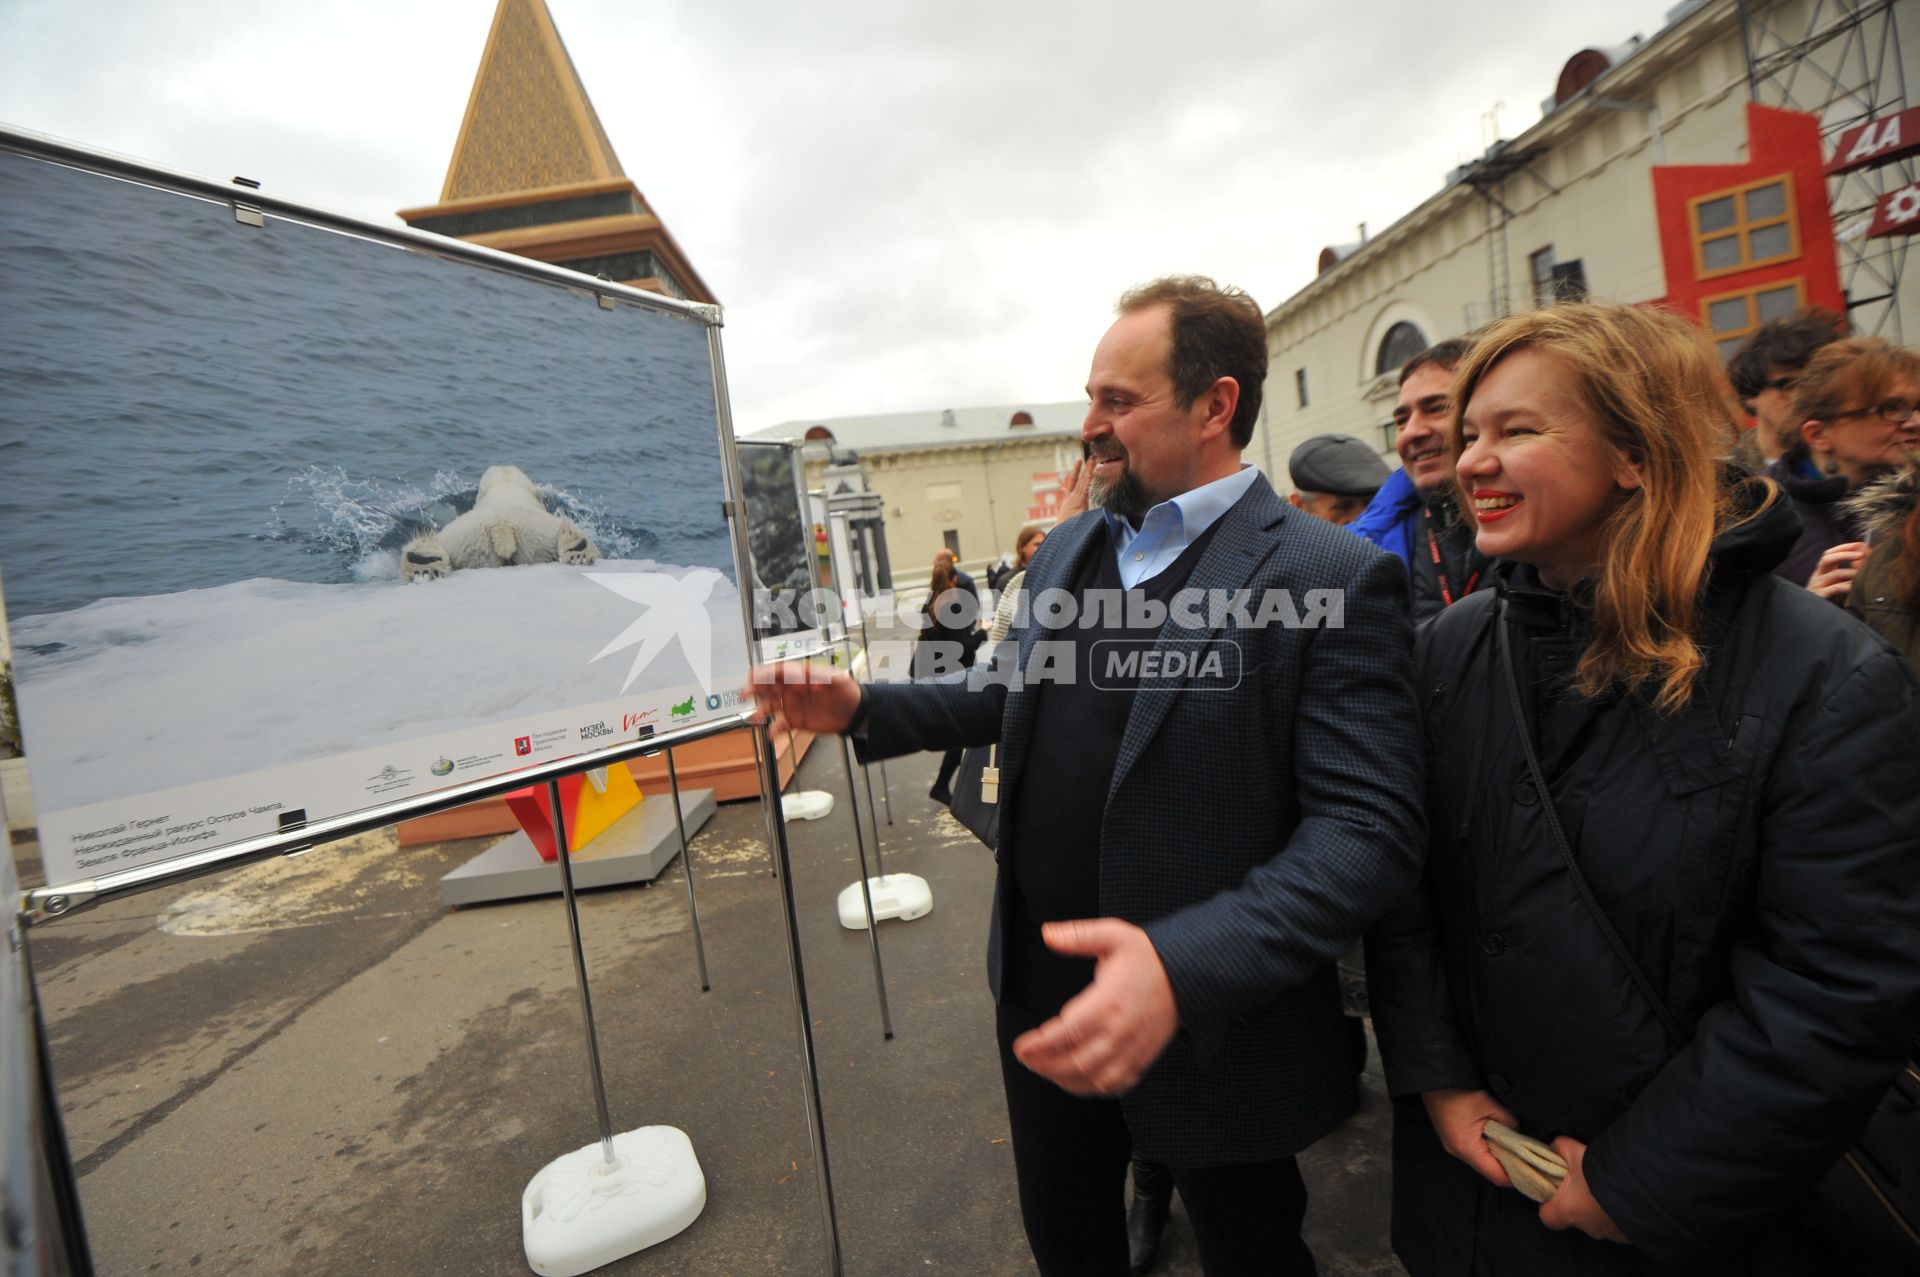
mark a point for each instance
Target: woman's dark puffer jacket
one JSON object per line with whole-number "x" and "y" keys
{"x": 1760, "y": 855}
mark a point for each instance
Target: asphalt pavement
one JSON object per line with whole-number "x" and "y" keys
{"x": 312, "y": 1066}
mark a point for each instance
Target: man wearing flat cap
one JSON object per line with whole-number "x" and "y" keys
{"x": 1334, "y": 477}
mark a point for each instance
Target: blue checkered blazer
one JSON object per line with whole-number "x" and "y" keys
{"x": 1254, "y": 834}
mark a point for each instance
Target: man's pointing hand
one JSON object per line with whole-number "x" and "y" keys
{"x": 805, "y": 696}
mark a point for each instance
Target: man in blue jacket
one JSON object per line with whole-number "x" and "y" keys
{"x": 1205, "y": 800}
{"x": 1416, "y": 515}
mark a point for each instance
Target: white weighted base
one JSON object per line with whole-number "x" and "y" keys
{"x": 581, "y": 1212}
{"x": 902, "y": 896}
{"x": 806, "y": 804}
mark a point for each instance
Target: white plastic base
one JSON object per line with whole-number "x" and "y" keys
{"x": 581, "y": 1212}
{"x": 806, "y": 804}
{"x": 902, "y": 896}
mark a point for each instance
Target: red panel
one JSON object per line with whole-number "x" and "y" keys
{"x": 1877, "y": 142}
{"x": 1896, "y": 213}
{"x": 529, "y": 806}
{"x": 1778, "y": 142}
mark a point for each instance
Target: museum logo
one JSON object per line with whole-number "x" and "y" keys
{"x": 630, "y": 721}
{"x": 594, "y": 731}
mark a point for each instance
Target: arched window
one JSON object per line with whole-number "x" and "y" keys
{"x": 1021, "y": 418}
{"x": 1402, "y": 342}
{"x": 819, "y": 432}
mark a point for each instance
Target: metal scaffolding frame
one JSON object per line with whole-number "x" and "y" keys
{"x": 1840, "y": 60}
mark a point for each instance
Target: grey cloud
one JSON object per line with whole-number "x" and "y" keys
{"x": 900, "y": 204}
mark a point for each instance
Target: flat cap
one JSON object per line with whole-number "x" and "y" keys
{"x": 1339, "y": 464}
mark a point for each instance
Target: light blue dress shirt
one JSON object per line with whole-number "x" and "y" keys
{"x": 1170, "y": 527}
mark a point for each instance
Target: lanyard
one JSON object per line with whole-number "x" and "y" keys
{"x": 1439, "y": 568}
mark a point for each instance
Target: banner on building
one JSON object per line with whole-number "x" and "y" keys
{"x": 1876, "y": 142}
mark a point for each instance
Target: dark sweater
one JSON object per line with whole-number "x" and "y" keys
{"x": 1076, "y": 743}
{"x": 1823, "y": 524}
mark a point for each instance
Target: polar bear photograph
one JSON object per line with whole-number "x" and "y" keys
{"x": 508, "y": 525}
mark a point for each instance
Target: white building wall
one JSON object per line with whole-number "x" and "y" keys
{"x": 1432, "y": 266}
{"x": 984, "y": 492}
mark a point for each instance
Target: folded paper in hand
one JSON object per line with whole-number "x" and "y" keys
{"x": 1535, "y": 1169}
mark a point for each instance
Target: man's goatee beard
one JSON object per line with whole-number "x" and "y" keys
{"x": 1124, "y": 497}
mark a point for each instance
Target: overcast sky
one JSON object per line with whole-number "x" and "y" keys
{"x": 901, "y": 205}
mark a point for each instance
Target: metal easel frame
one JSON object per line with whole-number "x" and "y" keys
{"x": 251, "y": 208}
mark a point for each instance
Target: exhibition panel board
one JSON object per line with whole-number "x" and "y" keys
{"x": 301, "y": 517}
{"x": 792, "y": 612}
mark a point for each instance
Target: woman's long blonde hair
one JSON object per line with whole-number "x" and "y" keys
{"x": 1652, "y": 384}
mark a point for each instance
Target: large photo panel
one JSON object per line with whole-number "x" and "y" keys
{"x": 295, "y": 522}
{"x": 791, "y": 612}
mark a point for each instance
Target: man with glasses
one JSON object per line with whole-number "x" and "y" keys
{"x": 1765, "y": 371}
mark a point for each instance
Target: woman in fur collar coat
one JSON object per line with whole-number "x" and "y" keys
{"x": 1887, "y": 592}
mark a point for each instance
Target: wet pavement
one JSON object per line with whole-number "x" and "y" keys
{"x": 312, "y": 1066}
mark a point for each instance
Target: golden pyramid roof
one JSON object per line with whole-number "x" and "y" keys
{"x": 528, "y": 124}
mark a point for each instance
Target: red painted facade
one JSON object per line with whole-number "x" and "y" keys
{"x": 1780, "y": 144}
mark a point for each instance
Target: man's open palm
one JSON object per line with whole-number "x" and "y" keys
{"x": 1112, "y": 1031}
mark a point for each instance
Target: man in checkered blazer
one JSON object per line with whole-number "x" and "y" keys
{"x": 1209, "y": 785}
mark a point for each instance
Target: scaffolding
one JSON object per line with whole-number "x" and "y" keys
{"x": 1840, "y": 60}
{"x": 1488, "y": 177}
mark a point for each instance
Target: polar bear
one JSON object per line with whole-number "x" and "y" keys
{"x": 508, "y": 524}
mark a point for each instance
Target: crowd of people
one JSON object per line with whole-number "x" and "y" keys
{"x": 1611, "y": 755}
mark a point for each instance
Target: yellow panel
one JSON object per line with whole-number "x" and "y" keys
{"x": 594, "y": 811}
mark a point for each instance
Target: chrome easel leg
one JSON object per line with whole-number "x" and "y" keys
{"x": 866, "y": 895}
{"x": 580, "y": 967}
{"x": 686, "y": 867}
{"x": 789, "y": 915}
{"x": 873, "y": 819}
{"x": 760, "y": 756}
{"x": 886, "y": 786}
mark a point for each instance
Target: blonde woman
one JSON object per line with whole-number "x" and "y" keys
{"x": 1731, "y": 763}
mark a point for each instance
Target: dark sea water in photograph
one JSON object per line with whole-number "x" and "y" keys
{"x": 186, "y": 401}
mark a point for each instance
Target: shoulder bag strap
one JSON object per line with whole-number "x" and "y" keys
{"x": 1619, "y": 946}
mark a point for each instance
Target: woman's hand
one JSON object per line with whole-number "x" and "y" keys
{"x": 1459, "y": 1116}
{"x": 1073, "y": 500}
{"x": 1573, "y": 1205}
{"x": 1833, "y": 576}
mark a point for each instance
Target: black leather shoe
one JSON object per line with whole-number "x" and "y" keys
{"x": 942, "y": 795}
{"x": 1147, "y": 1215}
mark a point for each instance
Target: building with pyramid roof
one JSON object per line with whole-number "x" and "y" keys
{"x": 534, "y": 173}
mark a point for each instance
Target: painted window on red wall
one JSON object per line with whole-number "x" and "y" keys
{"x": 1732, "y": 317}
{"x": 1744, "y": 226}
